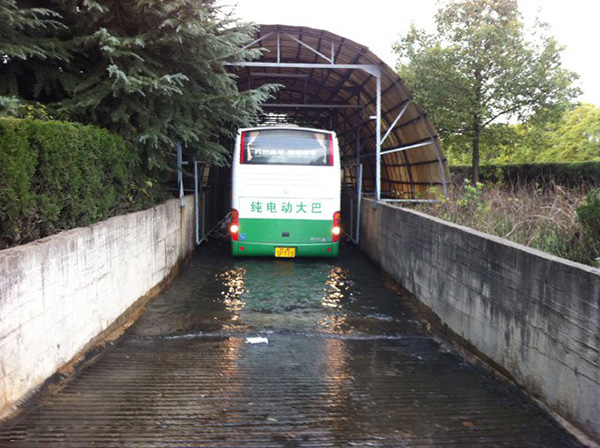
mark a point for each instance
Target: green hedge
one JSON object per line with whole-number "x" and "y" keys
{"x": 546, "y": 174}
{"x": 56, "y": 176}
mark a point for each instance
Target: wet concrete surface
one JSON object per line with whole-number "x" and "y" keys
{"x": 348, "y": 363}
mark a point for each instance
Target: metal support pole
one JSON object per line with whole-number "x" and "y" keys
{"x": 197, "y": 212}
{"x": 352, "y": 230}
{"x": 180, "y": 174}
{"x": 357, "y": 144}
{"x": 202, "y": 235}
{"x": 378, "y": 143}
{"x": 278, "y": 46}
{"x": 359, "y": 189}
{"x": 203, "y": 213}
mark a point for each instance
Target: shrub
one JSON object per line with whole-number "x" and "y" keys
{"x": 589, "y": 213}
{"x": 589, "y": 217}
{"x": 17, "y": 169}
{"x": 570, "y": 175}
{"x": 56, "y": 176}
{"x": 549, "y": 219}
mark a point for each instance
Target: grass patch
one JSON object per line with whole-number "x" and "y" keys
{"x": 558, "y": 220}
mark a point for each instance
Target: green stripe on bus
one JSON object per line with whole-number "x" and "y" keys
{"x": 285, "y": 231}
{"x": 260, "y": 237}
{"x": 241, "y": 249}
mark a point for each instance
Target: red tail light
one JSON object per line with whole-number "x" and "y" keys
{"x": 330, "y": 149}
{"x": 234, "y": 225}
{"x": 242, "y": 147}
{"x": 336, "y": 229}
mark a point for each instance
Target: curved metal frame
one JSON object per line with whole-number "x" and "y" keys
{"x": 374, "y": 69}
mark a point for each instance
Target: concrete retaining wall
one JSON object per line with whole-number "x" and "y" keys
{"x": 59, "y": 293}
{"x": 535, "y": 315}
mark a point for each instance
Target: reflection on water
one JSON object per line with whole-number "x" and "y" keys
{"x": 332, "y": 324}
{"x": 222, "y": 295}
{"x": 337, "y": 283}
{"x": 275, "y": 295}
{"x": 234, "y": 286}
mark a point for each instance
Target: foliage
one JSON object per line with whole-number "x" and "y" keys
{"x": 151, "y": 71}
{"x": 19, "y": 32}
{"x": 24, "y": 36}
{"x": 575, "y": 137}
{"x": 545, "y": 219}
{"x": 470, "y": 194}
{"x": 55, "y": 176}
{"x": 9, "y": 106}
{"x": 589, "y": 217}
{"x": 13, "y": 107}
{"x": 545, "y": 175}
{"x": 479, "y": 69}
{"x": 500, "y": 143}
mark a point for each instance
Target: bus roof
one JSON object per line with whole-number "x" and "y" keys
{"x": 290, "y": 127}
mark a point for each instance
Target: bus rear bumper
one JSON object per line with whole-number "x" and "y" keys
{"x": 246, "y": 249}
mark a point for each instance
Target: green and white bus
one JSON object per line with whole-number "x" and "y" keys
{"x": 285, "y": 193}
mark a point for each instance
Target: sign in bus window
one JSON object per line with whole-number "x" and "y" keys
{"x": 286, "y": 147}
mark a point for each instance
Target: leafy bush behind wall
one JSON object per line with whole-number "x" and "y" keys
{"x": 57, "y": 175}
{"x": 572, "y": 175}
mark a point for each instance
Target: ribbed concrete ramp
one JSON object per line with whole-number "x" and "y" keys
{"x": 350, "y": 368}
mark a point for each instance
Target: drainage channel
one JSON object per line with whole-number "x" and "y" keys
{"x": 344, "y": 361}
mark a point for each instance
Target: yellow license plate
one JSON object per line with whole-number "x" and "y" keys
{"x": 285, "y": 252}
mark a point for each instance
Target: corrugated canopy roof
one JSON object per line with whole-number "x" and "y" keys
{"x": 331, "y": 82}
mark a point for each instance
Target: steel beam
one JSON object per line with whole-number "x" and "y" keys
{"x": 407, "y": 147}
{"x": 378, "y": 142}
{"x": 257, "y": 40}
{"x": 395, "y": 122}
{"x": 445, "y": 181}
{"x": 278, "y": 75}
{"x": 180, "y": 173}
{"x": 420, "y": 201}
{"x": 311, "y": 106}
{"x": 406, "y": 165}
{"x": 371, "y": 69}
{"x": 438, "y": 152}
{"x": 318, "y": 53}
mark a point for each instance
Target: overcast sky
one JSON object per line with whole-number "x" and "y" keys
{"x": 378, "y": 23}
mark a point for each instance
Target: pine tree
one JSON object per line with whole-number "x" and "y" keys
{"x": 24, "y": 36}
{"x": 153, "y": 72}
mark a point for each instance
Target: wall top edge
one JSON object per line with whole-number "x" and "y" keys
{"x": 495, "y": 239}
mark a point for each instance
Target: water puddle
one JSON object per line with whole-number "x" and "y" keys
{"x": 346, "y": 296}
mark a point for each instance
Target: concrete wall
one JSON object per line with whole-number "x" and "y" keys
{"x": 59, "y": 293}
{"x": 535, "y": 315}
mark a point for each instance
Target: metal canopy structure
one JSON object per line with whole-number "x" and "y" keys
{"x": 331, "y": 82}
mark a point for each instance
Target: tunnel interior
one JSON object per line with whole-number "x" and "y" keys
{"x": 330, "y": 82}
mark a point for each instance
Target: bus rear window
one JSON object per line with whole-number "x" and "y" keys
{"x": 286, "y": 147}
